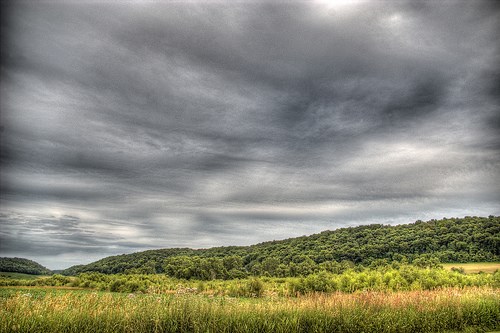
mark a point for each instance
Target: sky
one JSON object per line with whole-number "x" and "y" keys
{"x": 136, "y": 125}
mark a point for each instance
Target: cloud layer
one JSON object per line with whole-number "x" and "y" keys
{"x": 145, "y": 125}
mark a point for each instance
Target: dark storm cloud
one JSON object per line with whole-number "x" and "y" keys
{"x": 144, "y": 125}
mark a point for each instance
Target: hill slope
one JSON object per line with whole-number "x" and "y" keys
{"x": 468, "y": 239}
{"x": 21, "y": 265}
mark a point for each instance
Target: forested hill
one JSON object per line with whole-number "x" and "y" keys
{"x": 468, "y": 239}
{"x": 21, "y": 265}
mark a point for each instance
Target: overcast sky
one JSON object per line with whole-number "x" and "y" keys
{"x": 141, "y": 125}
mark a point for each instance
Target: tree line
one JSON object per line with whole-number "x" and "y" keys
{"x": 468, "y": 239}
{"x": 21, "y": 265}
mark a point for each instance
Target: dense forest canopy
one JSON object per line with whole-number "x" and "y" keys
{"x": 468, "y": 239}
{"x": 21, "y": 265}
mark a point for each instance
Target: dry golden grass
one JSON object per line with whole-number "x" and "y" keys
{"x": 412, "y": 311}
{"x": 475, "y": 267}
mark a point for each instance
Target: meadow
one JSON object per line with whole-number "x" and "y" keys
{"x": 473, "y": 267}
{"x": 35, "y": 309}
{"x": 386, "y": 299}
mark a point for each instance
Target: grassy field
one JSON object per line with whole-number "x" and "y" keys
{"x": 475, "y": 267}
{"x": 385, "y": 299}
{"x": 53, "y": 310}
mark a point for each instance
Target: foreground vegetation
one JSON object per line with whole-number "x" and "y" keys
{"x": 387, "y": 278}
{"x": 456, "y": 309}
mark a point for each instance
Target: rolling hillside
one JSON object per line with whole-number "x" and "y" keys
{"x": 21, "y": 265}
{"x": 468, "y": 239}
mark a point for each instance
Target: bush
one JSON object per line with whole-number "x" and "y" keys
{"x": 319, "y": 282}
{"x": 132, "y": 286}
{"x": 255, "y": 287}
{"x": 116, "y": 285}
{"x": 460, "y": 270}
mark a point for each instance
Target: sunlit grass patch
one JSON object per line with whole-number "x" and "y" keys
{"x": 474, "y": 267}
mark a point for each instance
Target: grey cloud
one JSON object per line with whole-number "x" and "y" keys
{"x": 200, "y": 124}
{"x": 57, "y": 235}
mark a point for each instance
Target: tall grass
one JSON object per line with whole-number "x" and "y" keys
{"x": 411, "y": 311}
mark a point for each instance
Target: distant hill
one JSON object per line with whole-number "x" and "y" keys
{"x": 21, "y": 265}
{"x": 468, "y": 239}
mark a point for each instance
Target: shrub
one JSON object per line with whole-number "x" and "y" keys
{"x": 255, "y": 287}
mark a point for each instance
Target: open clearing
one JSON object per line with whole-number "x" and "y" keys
{"x": 475, "y": 267}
